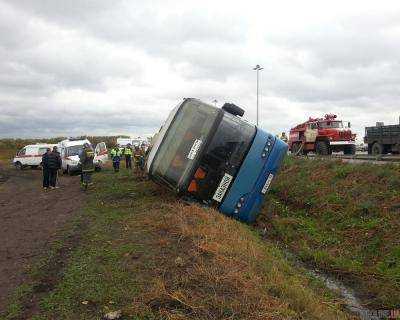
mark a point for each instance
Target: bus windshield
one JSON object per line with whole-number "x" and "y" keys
{"x": 183, "y": 141}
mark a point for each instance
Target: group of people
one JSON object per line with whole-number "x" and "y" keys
{"x": 51, "y": 163}
{"x": 135, "y": 154}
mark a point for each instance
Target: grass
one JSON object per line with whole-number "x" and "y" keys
{"x": 344, "y": 219}
{"x": 143, "y": 252}
{"x": 6, "y": 155}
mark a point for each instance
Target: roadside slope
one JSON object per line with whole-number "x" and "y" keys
{"x": 153, "y": 257}
{"x": 344, "y": 219}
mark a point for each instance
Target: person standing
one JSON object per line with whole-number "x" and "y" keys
{"x": 137, "y": 156}
{"x": 284, "y": 137}
{"x": 45, "y": 168}
{"x": 128, "y": 156}
{"x": 54, "y": 163}
{"x": 116, "y": 158}
{"x": 86, "y": 157}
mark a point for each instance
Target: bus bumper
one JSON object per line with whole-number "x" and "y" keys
{"x": 244, "y": 198}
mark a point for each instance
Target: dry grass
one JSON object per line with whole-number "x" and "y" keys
{"x": 211, "y": 267}
{"x": 153, "y": 257}
{"x": 6, "y": 155}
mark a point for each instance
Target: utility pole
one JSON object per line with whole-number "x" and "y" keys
{"x": 257, "y": 68}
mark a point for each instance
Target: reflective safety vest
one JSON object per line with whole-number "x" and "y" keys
{"x": 128, "y": 151}
{"x": 115, "y": 153}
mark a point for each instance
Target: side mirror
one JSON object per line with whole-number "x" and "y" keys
{"x": 349, "y": 124}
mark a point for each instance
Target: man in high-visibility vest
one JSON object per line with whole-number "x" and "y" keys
{"x": 116, "y": 155}
{"x": 128, "y": 156}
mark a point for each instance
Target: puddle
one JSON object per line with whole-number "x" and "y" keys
{"x": 350, "y": 301}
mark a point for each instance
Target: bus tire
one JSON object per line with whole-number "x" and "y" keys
{"x": 322, "y": 148}
{"x": 233, "y": 109}
{"x": 377, "y": 149}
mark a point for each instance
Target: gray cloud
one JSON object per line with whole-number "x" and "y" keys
{"x": 76, "y": 67}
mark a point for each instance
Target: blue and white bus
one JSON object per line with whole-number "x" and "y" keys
{"x": 215, "y": 157}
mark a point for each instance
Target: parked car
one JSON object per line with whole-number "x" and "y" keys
{"x": 31, "y": 155}
{"x": 69, "y": 150}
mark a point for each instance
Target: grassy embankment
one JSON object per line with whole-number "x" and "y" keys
{"x": 344, "y": 219}
{"x": 141, "y": 251}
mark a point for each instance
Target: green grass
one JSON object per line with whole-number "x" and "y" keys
{"x": 137, "y": 249}
{"x": 343, "y": 218}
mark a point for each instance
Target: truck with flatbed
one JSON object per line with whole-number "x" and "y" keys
{"x": 383, "y": 139}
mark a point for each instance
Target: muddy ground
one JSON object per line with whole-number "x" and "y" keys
{"x": 30, "y": 220}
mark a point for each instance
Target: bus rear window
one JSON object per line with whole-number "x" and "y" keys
{"x": 183, "y": 141}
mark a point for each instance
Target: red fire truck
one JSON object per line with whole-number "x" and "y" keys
{"x": 322, "y": 136}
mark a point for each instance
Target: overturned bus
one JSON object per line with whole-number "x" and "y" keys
{"x": 215, "y": 157}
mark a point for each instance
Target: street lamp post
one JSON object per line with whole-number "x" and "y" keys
{"x": 257, "y": 68}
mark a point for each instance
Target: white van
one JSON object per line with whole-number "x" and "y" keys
{"x": 134, "y": 142}
{"x": 70, "y": 149}
{"x": 31, "y": 155}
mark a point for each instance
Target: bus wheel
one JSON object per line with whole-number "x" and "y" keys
{"x": 377, "y": 149}
{"x": 322, "y": 148}
{"x": 18, "y": 165}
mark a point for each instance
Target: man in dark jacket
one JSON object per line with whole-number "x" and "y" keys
{"x": 54, "y": 164}
{"x": 45, "y": 168}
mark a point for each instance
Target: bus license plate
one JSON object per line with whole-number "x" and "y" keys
{"x": 195, "y": 148}
{"x": 267, "y": 184}
{"x": 223, "y": 186}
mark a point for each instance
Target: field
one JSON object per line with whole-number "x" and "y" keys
{"x": 132, "y": 247}
{"x": 135, "y": 248}
{"x": 343, "y": 219}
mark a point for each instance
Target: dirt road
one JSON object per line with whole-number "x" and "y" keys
{"x": 29, "y": 220}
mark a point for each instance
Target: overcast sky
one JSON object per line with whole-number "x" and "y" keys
{"x": 104, "y": 67}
